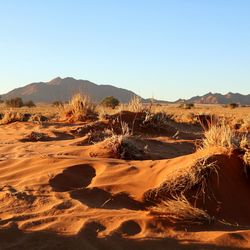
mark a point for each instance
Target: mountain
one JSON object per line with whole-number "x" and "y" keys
{"x": 216, "y": 98}
{"x": 60, "y": 89}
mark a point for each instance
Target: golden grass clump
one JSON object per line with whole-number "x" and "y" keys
{"x": 218, "y": 135}
{"x": 157, "y": 119}
{"x": 10, "y": 116}
{"x": 79, "y": 108}
{"x": 135, "y": 105}
{"x": 245, "y": 146}
{"x": 122, "y": 145}
{"x": 179, "y": 210}
{"x": 183, "y": 180}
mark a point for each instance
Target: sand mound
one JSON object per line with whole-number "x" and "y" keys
{"x": 231, "y": 190}
{"x": 218, "y": 184}
{"x": 153, "y": 124}
{"x": 136, "y": 148}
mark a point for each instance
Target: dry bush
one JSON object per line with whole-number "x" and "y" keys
{"x": 10, "y": 116}
{"x": 79, "y": 108}
{"x": 156, "y": 119}
{"x": 122, "y": 146}
{"x": 135, "y": 105}
{"x": 183, "y": 180}
{"x": 179, "y": 210}
{"x": 99, "y": 135}
{"x": 245, "y": 146}
{"x": 102, "y": 113}
{"x": 219, "y": 135}
{"x": 35, "y": 136}
{"x": 37, "y": 118}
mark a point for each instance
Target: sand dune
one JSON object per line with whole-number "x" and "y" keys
{"x": 58, "y": 190}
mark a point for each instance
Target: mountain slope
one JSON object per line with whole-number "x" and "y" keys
{"x": 63, "y": 89}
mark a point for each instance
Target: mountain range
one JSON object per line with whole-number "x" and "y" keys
{"x": 62, "y": 89}
{"x": 216, "y": 98}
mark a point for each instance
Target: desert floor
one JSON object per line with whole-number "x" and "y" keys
{"x": 63, "y": 186}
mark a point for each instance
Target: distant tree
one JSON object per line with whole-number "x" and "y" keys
{"x": 29, "y": 104}
{"x": 1, "y": 101}
{"x": 16, "y": 102}
{"x": 110, "y": 101}
{"x": 233, "y": 105}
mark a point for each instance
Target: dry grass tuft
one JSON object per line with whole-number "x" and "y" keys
{"x": 122, "y": 146}
{"x": 79, "y": 108}
{"x": 245, "y": 146}
{"x": 184, "y": 180}
{"x": 135, "y": 105}
{"x": 218, "y": 135}
{"x": 36, "y": 136}
{"x": 10, "y": 116}
{"x": 158, "y": 119}
{"x": 37, "y": 118}
{"x": 99, "y": 135}
{"x": 179, "y": 210}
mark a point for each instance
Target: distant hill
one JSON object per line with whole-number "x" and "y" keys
{"x": 216, "y": 98}
{"x": 60, "y": 89}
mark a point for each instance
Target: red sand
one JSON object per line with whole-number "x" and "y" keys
{"x": 53, "y": 195}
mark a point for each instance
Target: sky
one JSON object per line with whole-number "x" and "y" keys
{"x": 156, "y": 48}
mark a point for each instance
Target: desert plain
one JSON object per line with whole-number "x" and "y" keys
{"x": 133, "y": 177}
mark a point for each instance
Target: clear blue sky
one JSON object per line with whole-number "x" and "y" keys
{"x": 166, "y": 49}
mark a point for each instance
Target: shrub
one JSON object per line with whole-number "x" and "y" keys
{"x": 110, "y": 101}
{"x": 233, "y": 105}
{"x": 29, "y": 104}
{"x": 16, "y": 102}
